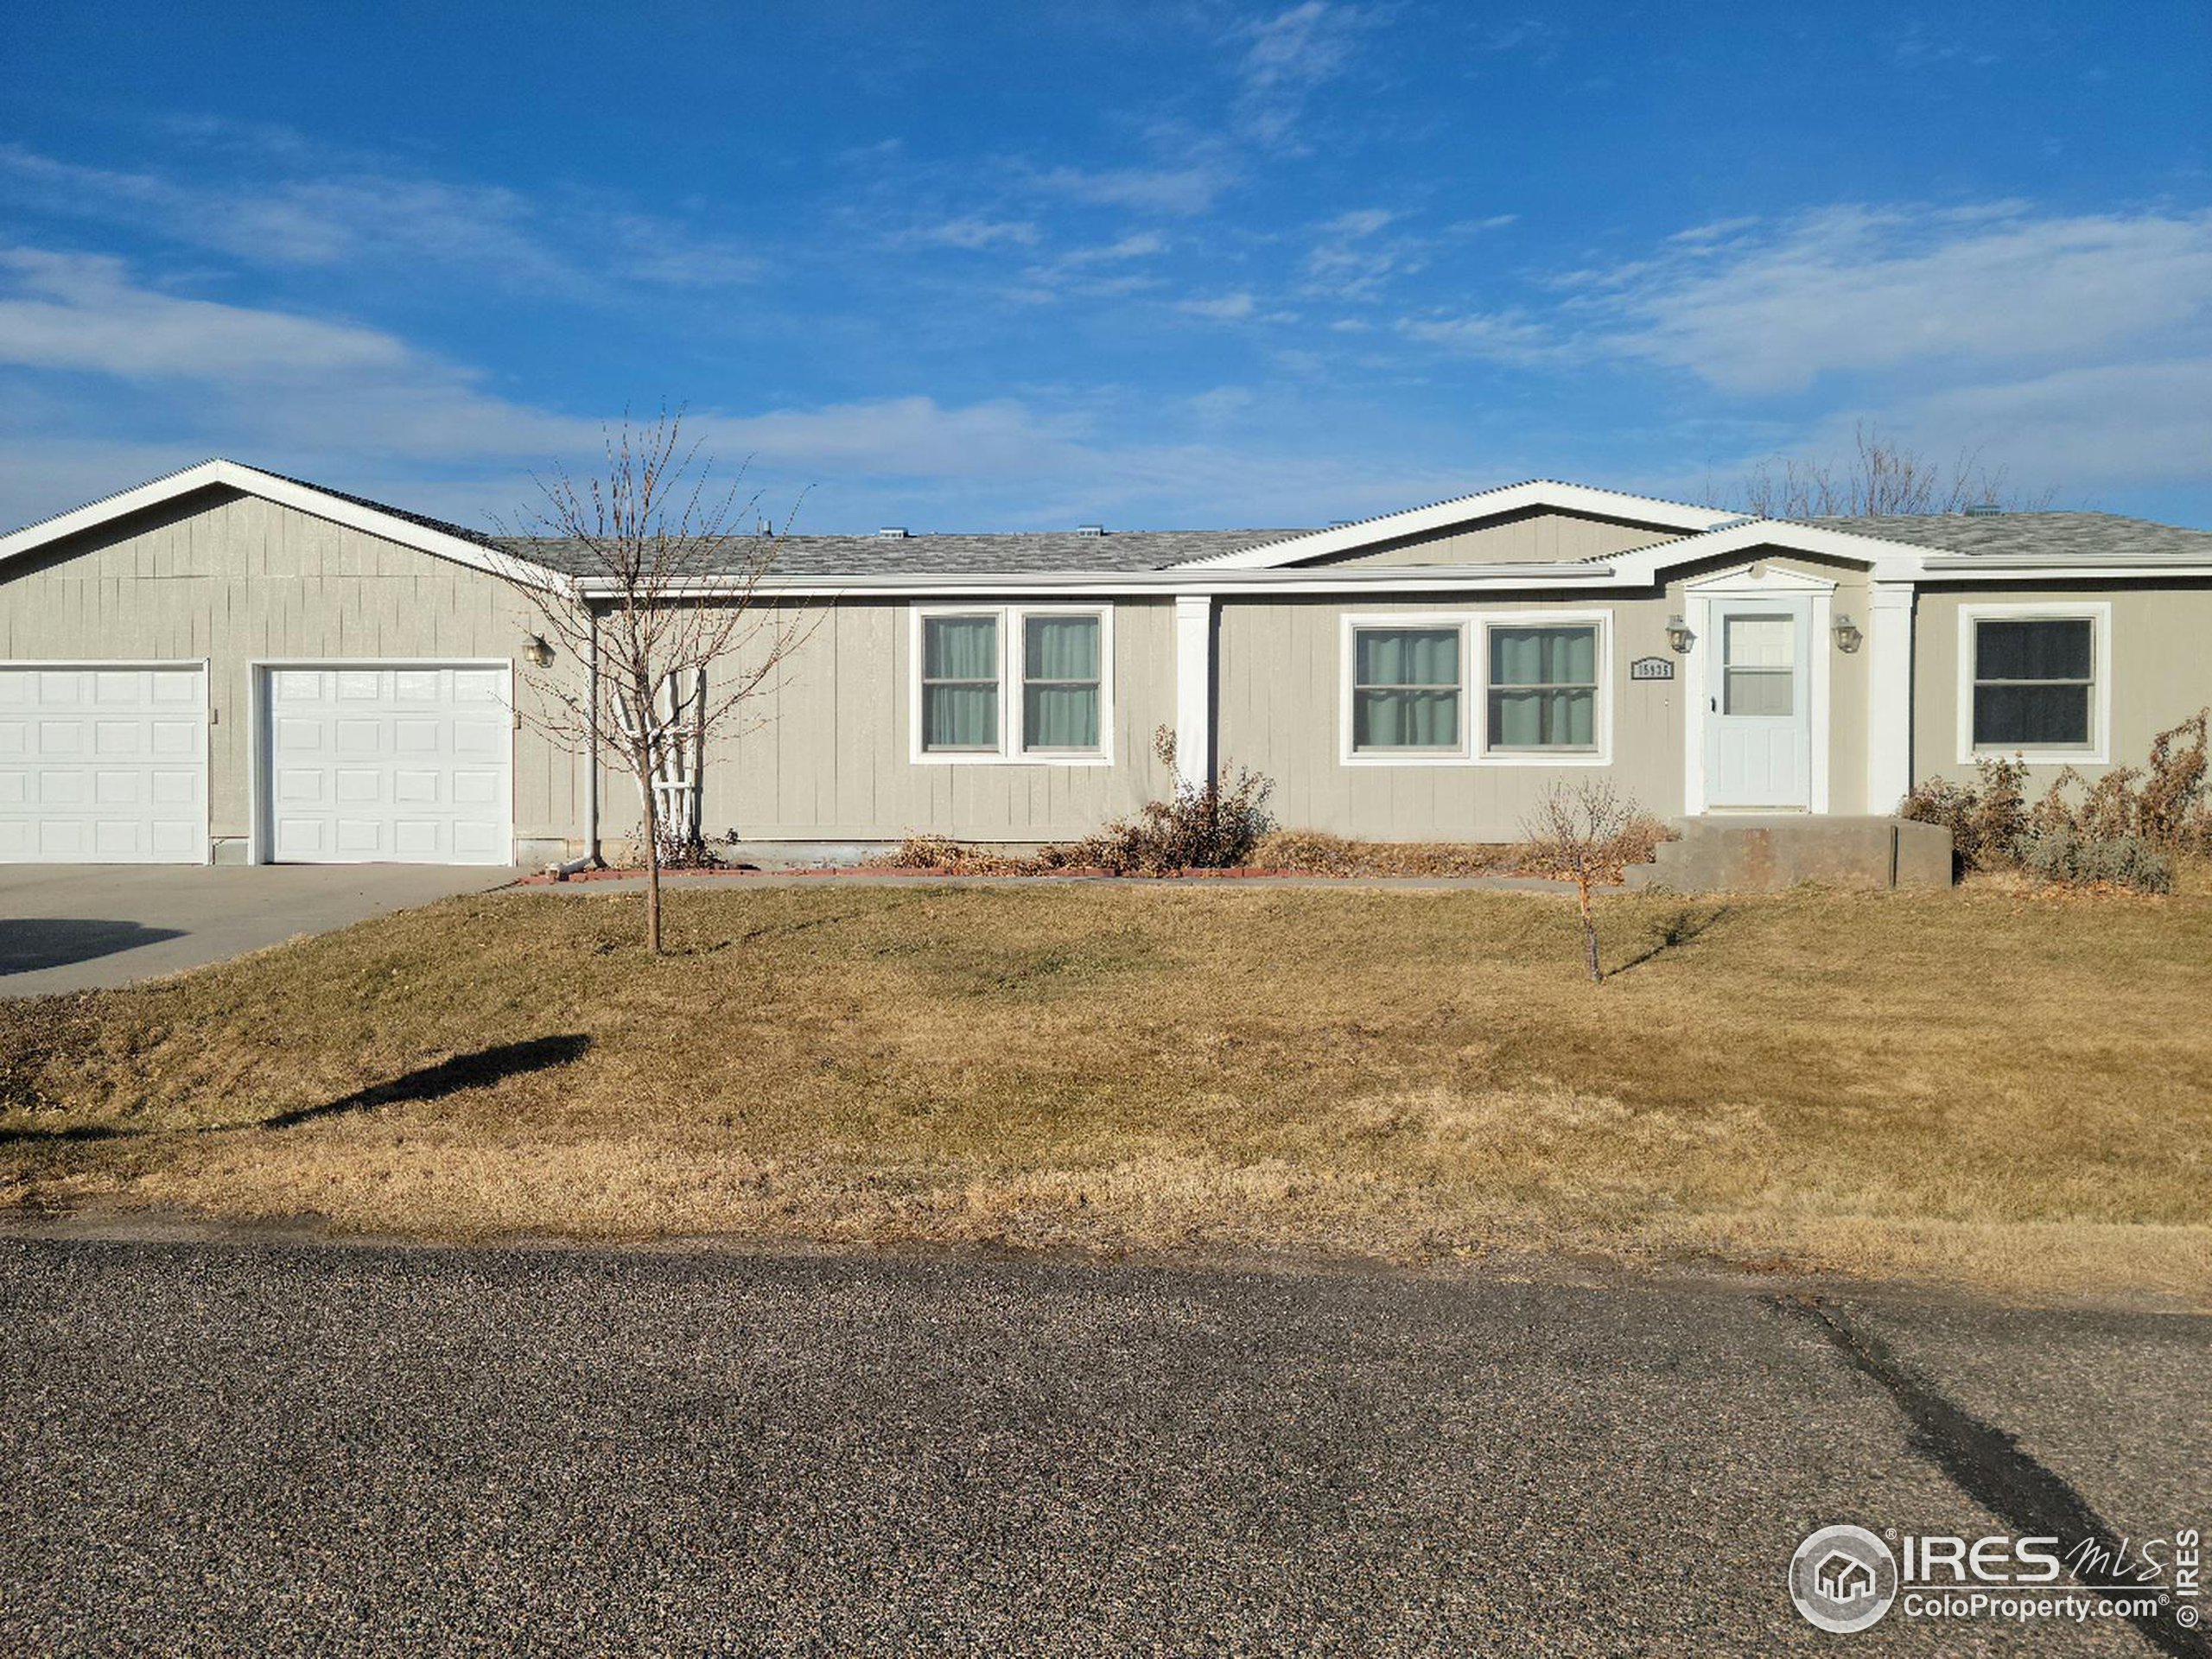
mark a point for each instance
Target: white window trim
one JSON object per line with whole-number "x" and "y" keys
{"x": 2098, "y": 614}
{"x": 1009, "y": 752}
{"x": 1473, "y": 747}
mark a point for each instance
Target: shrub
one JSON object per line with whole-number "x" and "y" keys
{"x": 1984, "y": 818}
{"x": 2066, "y": 854}
{"x": 1210, "y": 826}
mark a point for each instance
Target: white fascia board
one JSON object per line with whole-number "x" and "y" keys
{"x": 1886, "y": 560}
{"x": 1176, "y": 579}
{"x": 1441, "y": 515}
{"x": 252, "y": 480}
{"x": 1960, "y": 567}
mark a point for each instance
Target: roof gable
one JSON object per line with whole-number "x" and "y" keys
{"x": 425, "y": 535}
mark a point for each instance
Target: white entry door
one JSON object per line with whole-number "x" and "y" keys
{"x": 104, "y": 763}
{"x": 1758, "y": 731}
{"x": 405, "y": 764}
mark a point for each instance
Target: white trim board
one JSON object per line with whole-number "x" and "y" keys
{"x": 2098, "y": 613}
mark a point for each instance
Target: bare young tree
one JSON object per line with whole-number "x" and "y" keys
{"x": 653, "y": 606}
{"x": 1578, "y": 833}
{"x": 1881, "y": 477}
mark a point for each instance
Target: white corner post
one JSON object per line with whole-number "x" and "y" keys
{"x": 1889, "y": 694}
{"x": 1194, "y": 688}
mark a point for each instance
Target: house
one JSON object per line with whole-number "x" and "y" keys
{"x": 227, "y": 664}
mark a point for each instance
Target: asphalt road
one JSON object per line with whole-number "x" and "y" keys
{"x": 250, "y": 1448}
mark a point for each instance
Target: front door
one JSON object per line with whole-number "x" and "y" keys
{"x": 1758, "y": 729}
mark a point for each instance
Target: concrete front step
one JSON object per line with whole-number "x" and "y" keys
{"x": 1765, "y": 853}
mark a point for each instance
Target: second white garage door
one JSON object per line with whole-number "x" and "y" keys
{"x": 402, "y": 764}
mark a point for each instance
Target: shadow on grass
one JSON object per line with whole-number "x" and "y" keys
{"x": 1679, "y": 928}
{"x": 478, "y": 1070}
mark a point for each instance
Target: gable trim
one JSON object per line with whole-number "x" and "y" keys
{"x": 1678, "y": 516}
{"x": 305, "y": 498}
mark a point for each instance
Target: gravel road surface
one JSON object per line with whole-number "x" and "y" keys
{"x": 251, "y": 1448}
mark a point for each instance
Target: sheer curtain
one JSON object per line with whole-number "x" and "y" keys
{"x": 1405, "y": 688}
{"x": 960, "y": 682}
{"x": 1060, "y": 683}
{"x": 1543, "y": 687}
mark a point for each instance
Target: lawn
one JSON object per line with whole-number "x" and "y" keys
{"x": 1982, "y": 1088}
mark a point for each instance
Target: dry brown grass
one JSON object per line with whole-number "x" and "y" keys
{"x": 1982, "y": 1087}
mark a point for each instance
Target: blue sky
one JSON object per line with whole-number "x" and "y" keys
{"x": 1156, "y": 265}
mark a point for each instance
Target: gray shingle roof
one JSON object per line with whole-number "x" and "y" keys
{"x": 1007, "y": 553}
{"x": 2089, "y": 537}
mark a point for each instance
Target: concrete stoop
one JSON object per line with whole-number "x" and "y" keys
{"x": 1766, "y": 853}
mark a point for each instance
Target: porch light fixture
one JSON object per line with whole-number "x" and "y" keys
{"x": 538, "y": 653}
{"x": 1679, "y": 636}
{"x": 1847, "y": 637}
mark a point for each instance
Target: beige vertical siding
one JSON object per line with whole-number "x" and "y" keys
{"x": 827, "y": 751}
{"x": 234, "y": 579}
{"x": 2160, "y": 668}
{"x": 1280, "y": 712}
{"x": 1530, "y": 538}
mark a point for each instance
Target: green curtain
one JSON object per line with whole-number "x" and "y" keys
{"x": 1406, "y": 656}
{"x": 1543, "y": 720}
{"x": 1405, "y": 720}
{"x": 1543, "y": 656}
{"x": 963, "y": 653}
{"x": 1059, "y": 695}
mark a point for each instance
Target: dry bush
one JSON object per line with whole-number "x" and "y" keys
{"x": 945, "y": 856}
{"x": 1214, "y": 825}
{"x": 1984, "y": 818}
{"x": 1579, "y": 833}
{"x": 1315, "y": 852}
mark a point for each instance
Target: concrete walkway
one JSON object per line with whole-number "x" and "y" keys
{"x": 76, "y": 927}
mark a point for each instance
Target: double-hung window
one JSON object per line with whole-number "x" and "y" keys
{"x": 2034, "y": 681}
{"x": 1012, "y": 683}
{"x": 1500, "y": 688}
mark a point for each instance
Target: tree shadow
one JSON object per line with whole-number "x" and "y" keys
{"x": 478, "y": 1070}
{"x": 29, "y": 943}
{"x": 1677, "y": 931}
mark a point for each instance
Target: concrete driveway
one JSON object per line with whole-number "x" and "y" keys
{"x": 77, "y": 927}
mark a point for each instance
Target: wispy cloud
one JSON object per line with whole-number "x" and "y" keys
{"x": 349, "y": 216}
{"x": 971, "y": 231}
{"x": 1221, "y": 308}
{"x": 1502, "y": 337}
{"x": 1353, "y": 261}
{"x": 1181, "y": 190}
{"x": 1287, "y": 58}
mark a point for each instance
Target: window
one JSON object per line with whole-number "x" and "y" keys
{"x": 1405, "y": 691}
{"x": 1758, "y": 664}
{"x": 1476, "y": 689}
{"x": 2034, "y": 683}
{"x": 1543, "y": 687}
{"x": 1059, "y": 684}
{"x": 960, "y": 684}
{"x": 1013, "y": 685}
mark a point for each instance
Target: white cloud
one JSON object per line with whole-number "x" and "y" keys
{"x": 970, "y": 231}
{"x": 2120, "y": 422}
{"x": 1503, "y": 337}
{"x": 1224, "y": 307}
{"x": 1288, "y": 56}
{"x": 1855, "y": 289}
{"x": 1184, "y": 191}
{"x": 1361, "y": 221}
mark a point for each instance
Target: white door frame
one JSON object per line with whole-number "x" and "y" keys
{"x": 258, "y": 669}
{"x": 206, "y": 719}
{"x": 1753, "y": 581}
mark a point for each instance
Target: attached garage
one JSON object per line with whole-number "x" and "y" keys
{"x": 104, "y": 763}
{"x": 395, "y": 763}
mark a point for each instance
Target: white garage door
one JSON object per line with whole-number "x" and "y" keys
{"x": 103, "y": 764}
{"x": 400, "y": 764}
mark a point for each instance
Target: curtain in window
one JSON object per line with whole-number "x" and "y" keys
{"x": 960, "y": 675}
{"x": 1405, "y": 688}
{"x": 1543, "y": 687}
{"x": 1060, "y": 683}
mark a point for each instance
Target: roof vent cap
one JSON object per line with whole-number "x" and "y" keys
{"x": 892, "y": 533}
{"x": 1983, "y": 510}
{"x": 1090, "y": 530}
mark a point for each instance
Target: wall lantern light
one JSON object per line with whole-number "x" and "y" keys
{"x": 537, "y": 652}
{"x": 1847, "y": 637}
{"x": 1679, "y": 635}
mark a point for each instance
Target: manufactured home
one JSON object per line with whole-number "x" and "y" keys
{"x": 228, "y": 665}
